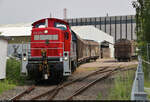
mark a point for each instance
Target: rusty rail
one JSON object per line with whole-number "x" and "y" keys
{"x": 55, "y": 90}
{"x": 83, "y": 88}
{"x": 23, "y": 93}
{"x": 109, "y": 73}
{"x": 45, "y": 93}
{"x": 69, "y": 83}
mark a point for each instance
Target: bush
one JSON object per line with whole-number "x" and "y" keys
{"x": 122, "y": 86}
{"x": 13, "y": 76}
{"x": 5, "y": 85}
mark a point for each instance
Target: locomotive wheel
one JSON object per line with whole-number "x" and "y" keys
{"x": 58, "y": 73}
{"x": 94, "y": 59}
{"x": 73, "y": 66}
{"x": 129, "y": 59}
{"x": 118, "y": 59}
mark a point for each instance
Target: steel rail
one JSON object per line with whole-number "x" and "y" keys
{"x": 80, "y": 79}
{"x": 83, "y": 88}
{"x": 55, "y": 90}
{"x": 23, "y": 93}
{"x": 58, "y": 89}
{"x": 43, "y": 94}
{"x": 54, "y": 93}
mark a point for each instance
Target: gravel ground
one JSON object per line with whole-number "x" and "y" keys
{"x": 67, "y": 91}
{"x": 101, "y": 88}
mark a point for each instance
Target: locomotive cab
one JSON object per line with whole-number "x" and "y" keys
{"x": 49, "y": 52}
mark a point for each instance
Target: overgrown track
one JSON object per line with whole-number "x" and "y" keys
{"x": 55, "y": 91}
{"x": 81, "y": 89}
{"x": 106, "y": 74}
{"x": 102, "y": 73}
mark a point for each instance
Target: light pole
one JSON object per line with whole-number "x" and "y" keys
{"x": 137, "y": 6}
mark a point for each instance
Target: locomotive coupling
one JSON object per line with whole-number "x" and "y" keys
{"x": 44, "y": 66}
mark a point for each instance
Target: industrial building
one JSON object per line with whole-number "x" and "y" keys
{"x": 117, "y": 26}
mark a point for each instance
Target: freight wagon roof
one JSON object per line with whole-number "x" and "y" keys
{"x": 92, "y": 33}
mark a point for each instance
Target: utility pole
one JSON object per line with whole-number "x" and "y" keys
{"x": 50, "y": 16}
{"x": 65, "y": 14}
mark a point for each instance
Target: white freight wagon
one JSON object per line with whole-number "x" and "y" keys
{"x": 3, "y": 56}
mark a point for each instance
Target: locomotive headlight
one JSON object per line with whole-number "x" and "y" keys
{"x": 65, "y": 58}
{"x": 24, "y": 58}
{"x": 45, "y": 31}
{"x": 45, "y": 76}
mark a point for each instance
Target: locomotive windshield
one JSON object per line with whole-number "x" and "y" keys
{"x": 40, "y": 25}
{"x": 60, "y": 26}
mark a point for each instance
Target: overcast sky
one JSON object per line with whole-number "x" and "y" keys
{"x": 23, "y": 11}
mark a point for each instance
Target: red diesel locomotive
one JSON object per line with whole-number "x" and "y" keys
{"x": 55, "y": 50}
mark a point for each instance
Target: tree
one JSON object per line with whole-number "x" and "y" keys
{"x": 143, "y": 25}
{"x": 143, "y": 30}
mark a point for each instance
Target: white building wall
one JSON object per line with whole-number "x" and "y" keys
{"x": 111, "y": 50}
{"x": 3, "y": 55}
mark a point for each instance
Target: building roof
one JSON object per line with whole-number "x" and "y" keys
{"x": 92, "y": 33}
{"x": 15, "y": 31}
{"x": 85, "y": 32}
{"x": 15, "y": 25}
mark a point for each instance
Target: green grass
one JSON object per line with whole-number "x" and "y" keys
{"x": 5, "y": 85}
{"x": 99, "y": 96}
{"x": 146, "y": 83}
{"x": 146, "y": 70}
{"x": 148, "y": 93}
{"x": 13, "y": 77}
{"x": 122, "y": 86}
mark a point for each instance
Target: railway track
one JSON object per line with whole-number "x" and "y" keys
{"x": 51, "y": 94}
{"x": 27, "y": 91}
{"x": 56, "y": 90}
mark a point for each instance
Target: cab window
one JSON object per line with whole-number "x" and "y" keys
{"x": 60, "y": 26}
{"x": 40, "y": 25}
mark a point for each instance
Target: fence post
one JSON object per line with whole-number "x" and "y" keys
{"x": 138, "y": 85}
{"x": 140, "y": 76}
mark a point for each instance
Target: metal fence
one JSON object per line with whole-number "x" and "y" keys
{"x": 138, "y": 84}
